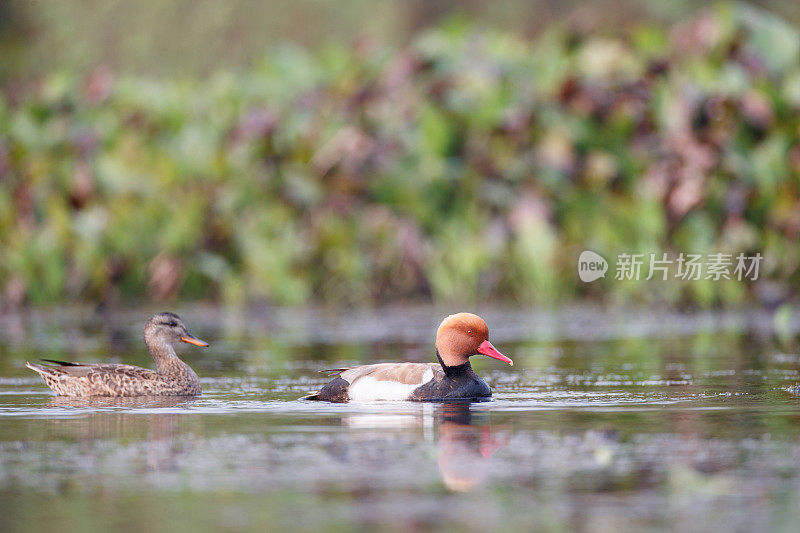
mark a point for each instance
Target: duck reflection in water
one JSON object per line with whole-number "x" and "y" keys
{"x": 465, "y": 445}
{"x": 120, "y": 404}
{"x": 155, "y": 421}
{"x": 465, "y": 439}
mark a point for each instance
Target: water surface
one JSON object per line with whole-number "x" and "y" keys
{"x": 609, "y": 421}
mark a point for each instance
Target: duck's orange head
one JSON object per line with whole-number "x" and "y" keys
{"x": 463, "y": 335}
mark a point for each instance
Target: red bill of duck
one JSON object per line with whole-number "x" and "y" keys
{"x": 458, "y": 338}
{"x": 172, "y": 376}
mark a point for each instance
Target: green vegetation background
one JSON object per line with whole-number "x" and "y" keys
{"x": 464, "y": 165}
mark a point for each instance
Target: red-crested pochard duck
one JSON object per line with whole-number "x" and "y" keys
{"x": 458, "y": 338}
{"x": 173, "y": 377}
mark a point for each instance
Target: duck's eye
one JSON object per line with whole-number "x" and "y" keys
{"x": 173, "y": 324}
{"x": 469, "y": 332}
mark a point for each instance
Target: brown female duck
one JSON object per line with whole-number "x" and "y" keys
{"x": 173, "y": 377}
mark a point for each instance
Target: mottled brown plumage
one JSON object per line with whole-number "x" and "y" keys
{"x": 173, "y": 377}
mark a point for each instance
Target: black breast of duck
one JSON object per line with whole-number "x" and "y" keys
{"x": 172, "y": 376}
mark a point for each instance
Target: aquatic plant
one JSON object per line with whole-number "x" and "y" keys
{"x": 469, "y": 165}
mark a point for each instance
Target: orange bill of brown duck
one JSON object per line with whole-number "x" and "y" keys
{"x": 172, "y": 376}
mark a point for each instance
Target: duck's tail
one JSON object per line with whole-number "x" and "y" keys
{"x": 331, "y": 372}
{"x": 48, "y": 369}
{"x": 36, "y": 368}
{"x": 334, "y": 371}
{"x": 314, "y": 396}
